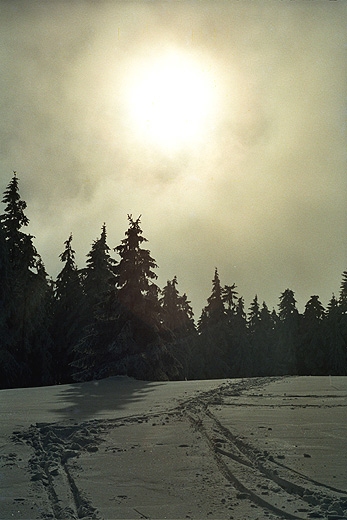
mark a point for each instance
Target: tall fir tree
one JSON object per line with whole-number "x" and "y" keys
{"x": 176, "y": 312}
{"x": 229, "y": 296}
{"x": 311, "y": 355}
{"x": 336, "y": 346}
{"x": 255, "y": 336}
{"x": 254, "y": 316}
{"x": 267, "y": 343}
{"x": 178, "y": 317}
{"x": 135, "y": 272}
{"x": 212, "y": 350}
{"x": 138, "y": 295}
{"x": 9, "y": 367}
{"x": 214, "y": 311}
{"x": 126, "y": 336}
{"x": 343, "y": 307}
{"x": 99, "y": 275}
{"x": 28, "y": 287}
{"x": 287, "y": 334}
{"x": 98, "y": 280}
{"x": 68, "y": 314}
{"x": 41, "y": 349}
{"x": 239, "y": 351}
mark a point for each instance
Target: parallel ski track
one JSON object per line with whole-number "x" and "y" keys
{"x": 253, "y": 475}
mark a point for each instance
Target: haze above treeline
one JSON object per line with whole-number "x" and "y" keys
{"x": 263, "y": 197}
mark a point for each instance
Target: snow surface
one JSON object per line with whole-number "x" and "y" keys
{"x": 261, "y": 448}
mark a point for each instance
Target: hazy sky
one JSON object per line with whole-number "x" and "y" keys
{"x": 222, "y": 123}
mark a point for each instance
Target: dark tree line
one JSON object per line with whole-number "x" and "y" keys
{"x": 111, "y": 318}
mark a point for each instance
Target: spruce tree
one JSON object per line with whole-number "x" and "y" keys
{"x": 311, "y": 357}
{"x": 267, "y": 342}
{"x": 96, "y": 314}
{"x": 135, "y": 272}
{"x": 9, "y": 367}
{"x": 177, "y": 316}
{"x": 343, "y": 307}
{"x": 126, "y": 336}
{"x": 212, "y": 344}
{"x": 336, "y": 346}
{"x": 229, "y": 296}
{"x": 253, "y": 316}
{"x": 138, "y": 295}
{"x": 215, "y": 305}
{"x": 5, "y": 294}
{"x": 176, "y": 312}
{"x": 41, "y": 348}
{"x": 256, "y": 339}
{"x": 287, "y": 334}
{"x": 28, "y": 287}
{"x": 98, "y": 276}
{"x": 68, "y": 314}
{"x": 239, "y": 351}
{"x": 343, "y": 290}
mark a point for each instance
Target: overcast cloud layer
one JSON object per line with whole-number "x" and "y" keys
{"x": 263, "y": 199}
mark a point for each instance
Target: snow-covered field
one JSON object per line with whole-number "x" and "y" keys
{"x": 263, "y": 448}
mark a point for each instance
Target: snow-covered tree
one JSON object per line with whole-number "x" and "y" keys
{"x": 126, "y": 336}
{"x": 99, "y": 274}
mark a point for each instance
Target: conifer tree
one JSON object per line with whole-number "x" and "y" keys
{"x": 287, "y": 334}
{"x": 126, "y": 336}
{"x": 229, "y": 296}
{"x": 254, "y": 316}
{"x": 255, "y": 334}
{"x": 336, "y": 347}
{"x": 343, "y": 290}
{"x": 267, "y": 343}
{"x": 239, "y": 351}
{"x": 135, "y": 272}
{"x": 27, "y": 287}
{"x": 9, "y": 367}
{"x": 41, "y": 347}
{"x": 343, "y": 307}
{"x": 138, "y": 296}
{"x": 212, "y": 345}
{"x": 311, "y": 357}
{"x": 90, "y": 353}
{"x": 177, "y": 317}
{"x": 214, "y": 312}
{"x": 176, "y": 311}
{"x": 68, "y": 314}
{"x": 5, "y": 295}
{"x": 99, "y": 274}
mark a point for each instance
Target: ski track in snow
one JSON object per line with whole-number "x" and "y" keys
{"x": 253, "y": 474}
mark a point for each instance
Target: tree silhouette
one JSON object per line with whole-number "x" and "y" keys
{"x": 68, "y": 314}
{"x": 28, "y": 285}
{"x": 287, "y": 334}
{"x": 311, "y": 357}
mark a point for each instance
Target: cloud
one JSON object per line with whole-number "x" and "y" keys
{"x": 263, "y": 198}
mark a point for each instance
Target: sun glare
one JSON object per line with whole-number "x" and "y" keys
{"x": 171, "y": 101}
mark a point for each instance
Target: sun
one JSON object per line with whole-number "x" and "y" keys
{"x": 171, "y": 101}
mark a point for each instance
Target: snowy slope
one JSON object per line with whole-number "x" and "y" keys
{"x": 119, "y": 448}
